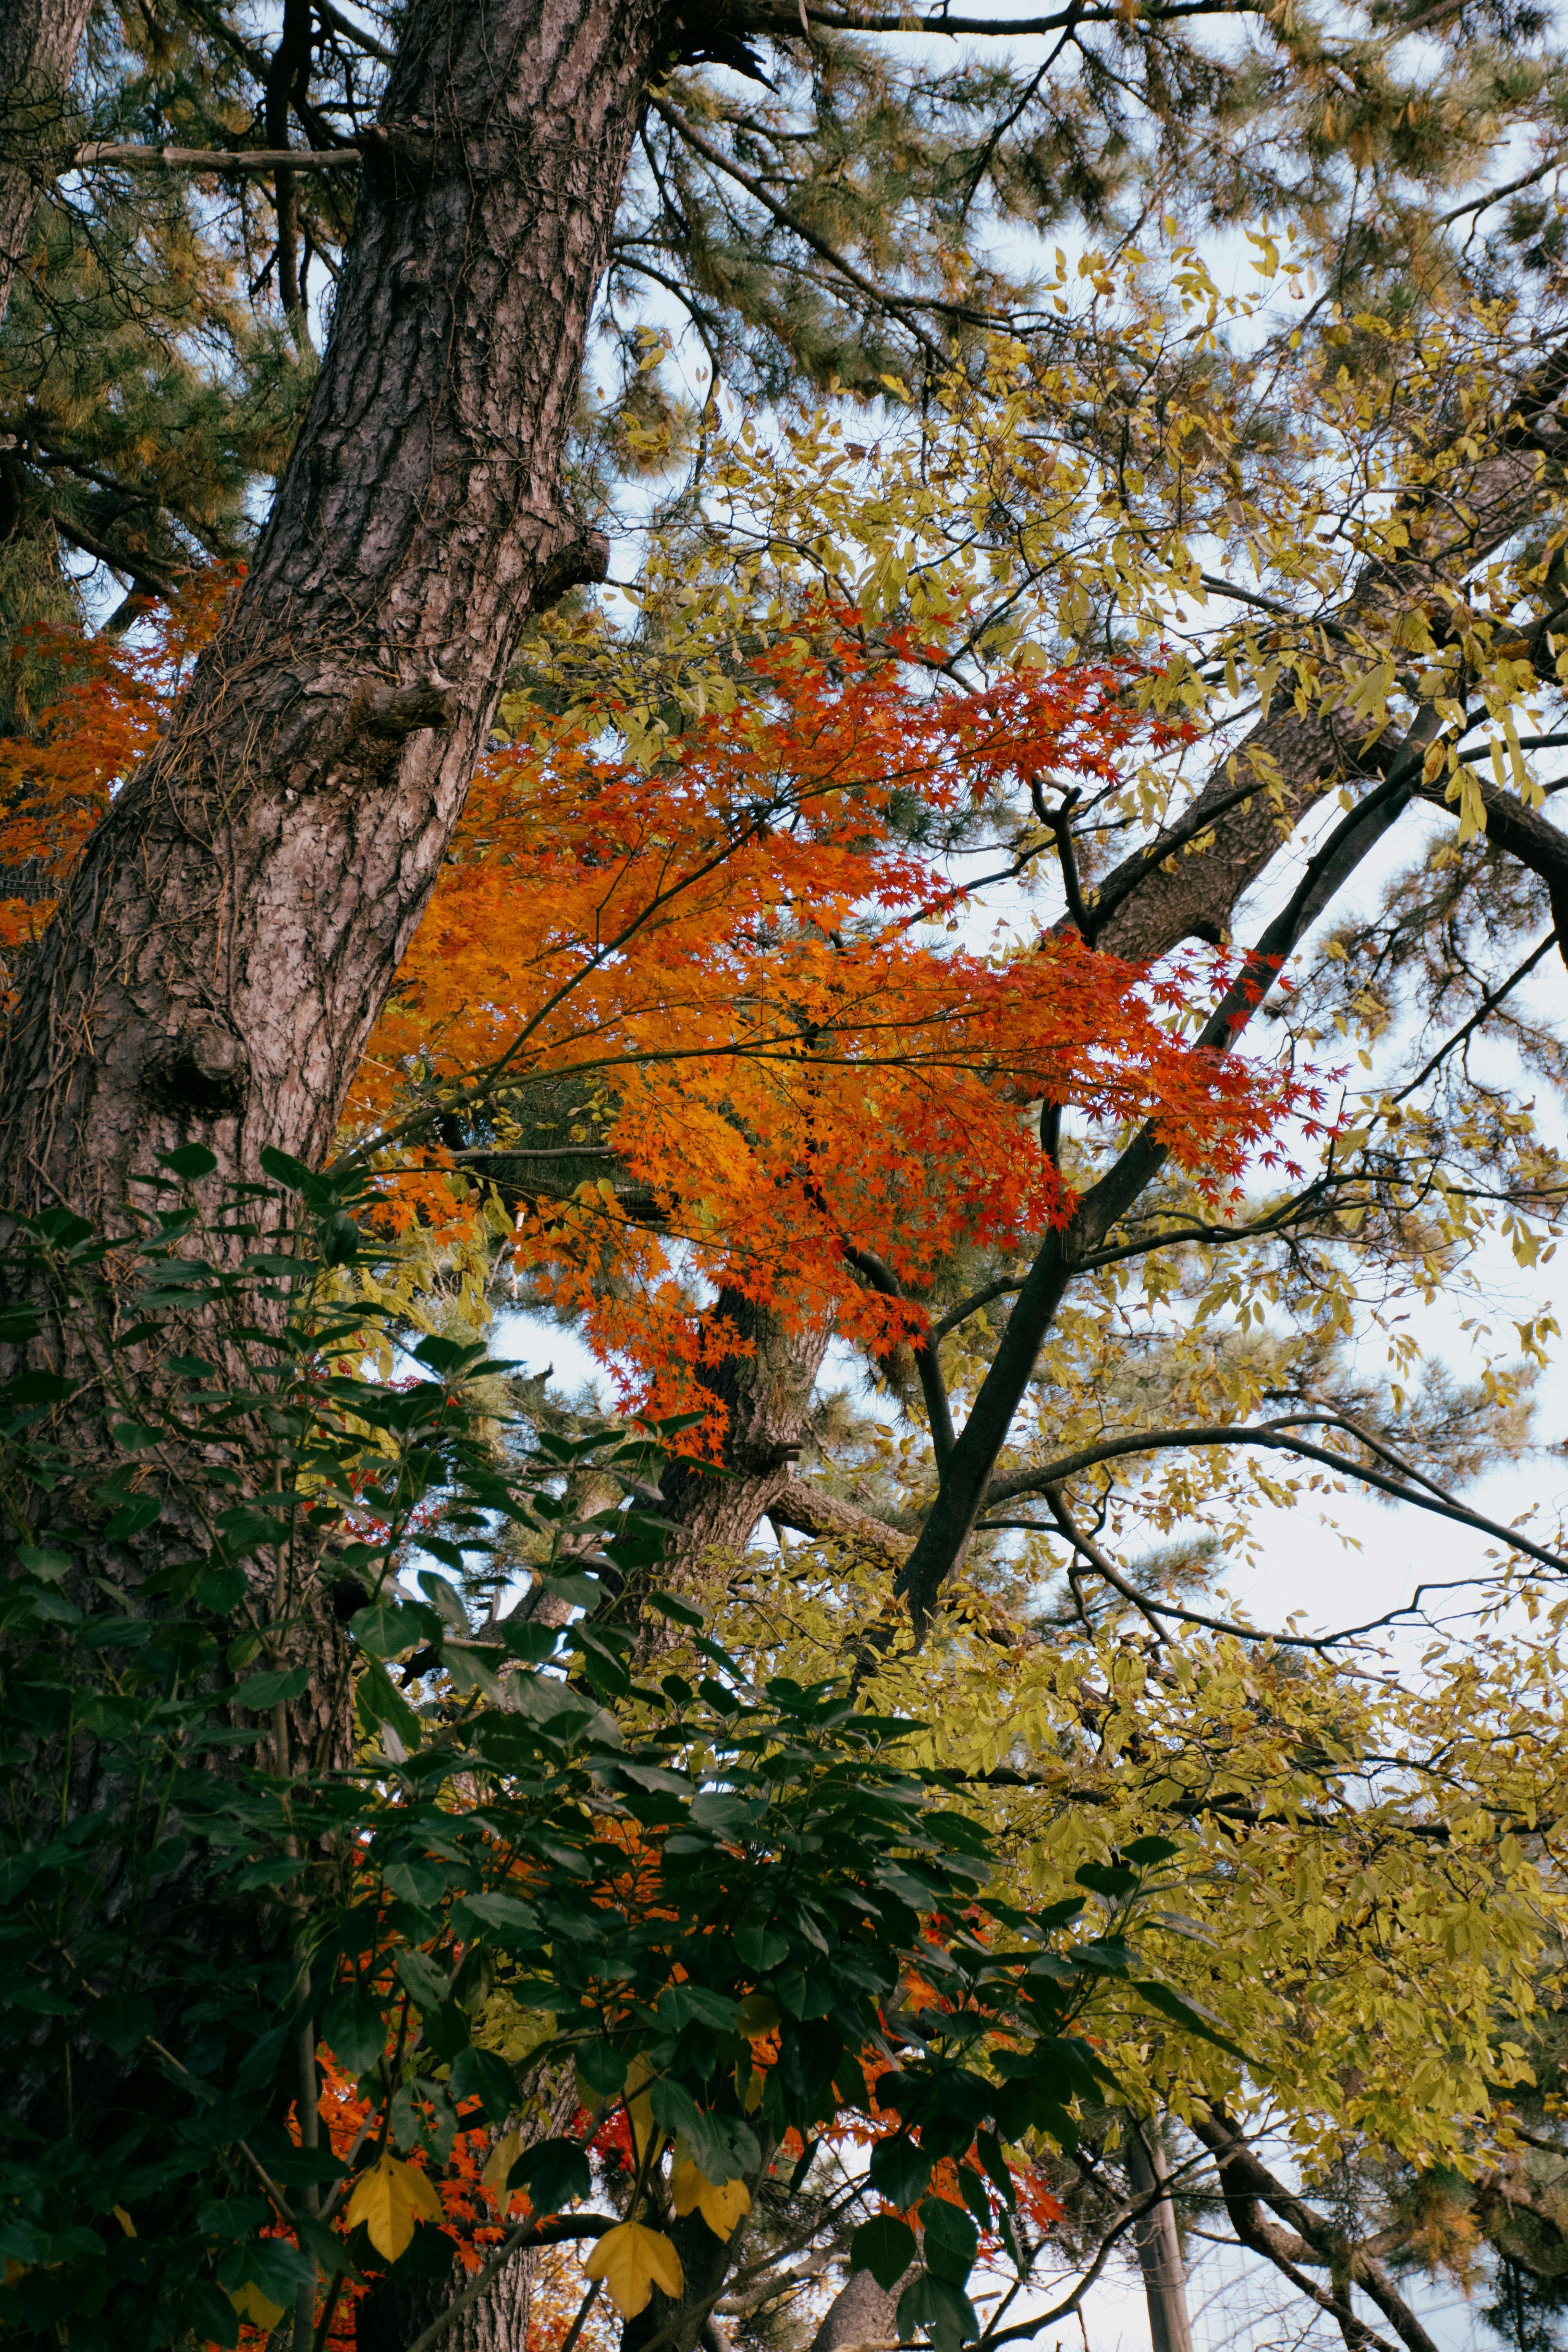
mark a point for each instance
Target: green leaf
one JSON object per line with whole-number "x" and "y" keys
{"x": 513, "y": 1923}
{"x": 420, "y": 1977}
{"x": 15, "y": 1870}
{"x": 292, "y": 1174}
{"x": 950, "y": 2241}
{"x": 222, "y": 1591}
{"x": 245, "y": 1529}
{"x": 898, "y": 2171}
{"x": 480, "y": 2075}
{"x": 1182, "y": 2011}
{"x": 354, "y": 2030}
{"x": 668, "y": 1606}
{"x": 552, "y": 2173}
{"x": 1147, "y": 1850}
{"x": 989, "y": 2149}
{"x": 584, "y": 1592}
{"x": 377, "y": 1703}
{"x": 39, "y": 1388}
{"x": 270, "y": 1870}
{"x": 1106, "y": 1956}
{"x": 972, "y": 2188}
{"x": 231, "y": 2217}
{"x": 120, "y": 2023}
{"x": 420, "y": 1883}
{"x": 385, "y": 1628}
{"x": 137, "y": 1512}
{"x": 284, "y": 1683}
{"x": 1104, "y": 1878}
{"x": 886, "y": 2247}
{"x": 274, "y": 2265}
{"x": 942, "y": 2309}
{"x": 759, "y": 1946}
{"x": 134, "y": 1436}
{"x": 687, "y": 2004}
{"x": 602, "y": 2066}
{"x": 44, "y": 1563}
{"x": 191, "y": 1160}
{"x": 444, "y": 1597}
{"x": 208, "y": 2317}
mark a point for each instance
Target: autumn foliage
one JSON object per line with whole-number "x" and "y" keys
{"x": 55, "y": 782}
{"x": 750, "y": 972}
{"x": 739, "y": 992}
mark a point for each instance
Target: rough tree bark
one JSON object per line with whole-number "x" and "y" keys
{"x": 390, "y": 2318}
{"x": 862, "y": 2316}
{"x": 231, "y": 934}
{"x": 39, "y": 42}
{"x": 765, "y": 1388}
{"x": 763, "y": 1385}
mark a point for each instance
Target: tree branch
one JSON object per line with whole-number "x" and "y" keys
{"x": 1276, "y": 1436}
{"x": 213, "y": 159}
{"x": 1253, "y": 2181}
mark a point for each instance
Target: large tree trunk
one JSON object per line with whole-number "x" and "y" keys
{"x": 391, "y": 2317}
{"x": 39, "y": 42}
{"x": 238, "y": 918}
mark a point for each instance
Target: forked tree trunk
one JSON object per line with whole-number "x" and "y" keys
{"x": 39, "y": 42}
{"x": 229, "y": 939}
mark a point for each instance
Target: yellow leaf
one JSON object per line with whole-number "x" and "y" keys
{"x": 504, "y": 2155}
{"x": 639, "y": 2111}
{"x": 126, "y": 2224}
{"x": 252, "y": 2304}
{"x": 632, "y": 2260}
{"x": 389, "y": 2200}
{"x": 721, "y": 2206}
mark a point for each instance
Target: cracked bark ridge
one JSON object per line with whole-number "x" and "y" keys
{"x": 1150, "y": 906}
{"x": 229, "y": 938}
{"x": 39, "y": 42}
{"x": 389, "y": 2318}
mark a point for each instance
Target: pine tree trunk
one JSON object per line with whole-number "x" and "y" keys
{"x": 39, "y": 42}
{"x": 229, "y": 939}
{"x": 764, "y": 1387}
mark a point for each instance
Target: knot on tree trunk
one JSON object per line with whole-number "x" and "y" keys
{"x": 404, "y": 709}
{"x": 203, "y": 1068}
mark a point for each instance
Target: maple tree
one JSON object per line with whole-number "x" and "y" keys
{"x": 718, "y": 961}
